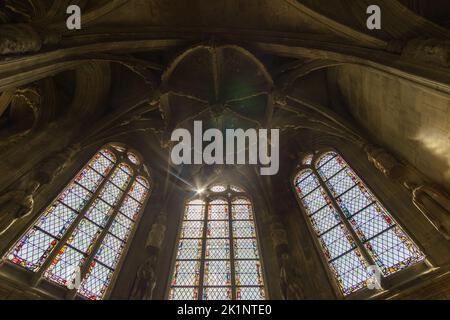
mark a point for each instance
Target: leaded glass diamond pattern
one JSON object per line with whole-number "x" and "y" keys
{"x": 242, "y": 211}
{"x": 324, "y": 219}
{"x": 217, "y": 293}
{"x": 138, "y": 191}
{"x": 218, "y": 212}
{"x": 70, "y": 208}
{"x": 341, "y": 182}
{"x": 315, "y": 200}
{"x": 218, "y": 229}
{"x": 64, "y": 266}
{"x": 121, "y": 227}
{"x": 189, "y": 249}
{"x": 244, "y": 229}
{"x": 84, "y": 235}
{"x": 186, "y": 273}
{"x": 96, "y": 282}
{"x": 89, "y": 179}
{"x": 120, "y": 177}
{"x": 393, "y": 251}
{"x": 194, "y": 212}
{"x": 99, "y": 212}
{"x": 110, "y": 250}
{"x": 130, "y": 207}
{"x": 32, "y": 249}
{"x": 351, "y": 272}
{"x": 217, "y": 249}
{"x": 56, "y": 219}
{"x": 101, "y": 164}
{"x": 217, "y": 273}
{"x": 305, "y": 183}
{"x": 75, "y": 196}
{"x": 183, "y": 293}
{"x": 383, "y": 240}
{"x": 336, "y": 242}
{"x": 110, "y": 194}
{"x": 250, "y": 293}
{"x": 353, "y": 201}
{"x": 246, "y": 249}
{"x": 248, "y": 273}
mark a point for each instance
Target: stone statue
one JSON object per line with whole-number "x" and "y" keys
{"x": 145, "y": 281}
{"x": 290, "y": 277}
{"x": 156, "y": 236}
{"x": 435, "y": 206}
{"x": 16, "y": 204}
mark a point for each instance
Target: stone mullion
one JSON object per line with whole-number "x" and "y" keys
{"x": 97, "y": 242}
{"x": 230, "y": 236}
{"x": 37, "y": 277}
{"x": 202, "y": 257}
{"x": 344, "y": 219}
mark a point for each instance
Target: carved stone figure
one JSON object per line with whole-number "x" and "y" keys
{"x": 435, "y": 205}
{"x": 145, "y": 281}
{"x": 156, "y": 236}
{"x": 16, "y": 204}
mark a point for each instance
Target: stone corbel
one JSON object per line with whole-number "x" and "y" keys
{"x": 290, "y": 281}
{"x": 145, "y": 280}
{"x": 433, "y": 203}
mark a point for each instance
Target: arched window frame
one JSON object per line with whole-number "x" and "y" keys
{"x": 36, "y": 278}
{"x": 309, "y": 161}
{"x": 230, "y": 194}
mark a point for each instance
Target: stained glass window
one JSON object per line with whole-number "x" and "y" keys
{"x": 340, "y": 207}
{"x": 218, "y": 256}
{"x": 218, "y": 188}
{"x": 86, "y": 228}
